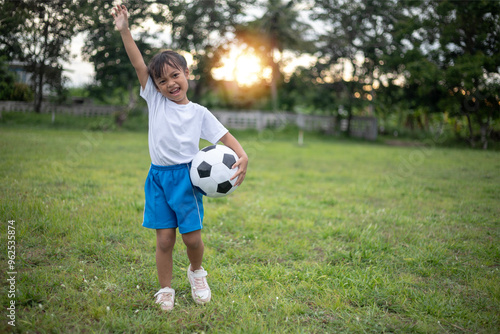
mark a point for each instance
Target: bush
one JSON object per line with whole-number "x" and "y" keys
{"x": 21, "y": 92}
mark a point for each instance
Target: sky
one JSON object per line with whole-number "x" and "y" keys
{"x": 77, "y": 70}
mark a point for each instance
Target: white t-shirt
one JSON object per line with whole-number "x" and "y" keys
{"x": 175, "y": 129}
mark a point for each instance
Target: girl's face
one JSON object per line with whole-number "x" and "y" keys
{"x": 173, "y": 84}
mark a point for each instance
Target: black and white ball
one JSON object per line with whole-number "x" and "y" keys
{"x": 211, "y": 170}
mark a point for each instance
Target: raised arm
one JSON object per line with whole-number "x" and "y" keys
{"x": 134, "y": 54}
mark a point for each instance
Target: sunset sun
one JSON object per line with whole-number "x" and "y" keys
{"x": 243, "y": 67}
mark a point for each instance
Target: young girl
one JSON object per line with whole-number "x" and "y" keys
{"x": 175, "y": 128}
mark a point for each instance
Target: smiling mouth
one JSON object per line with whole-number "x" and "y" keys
{"x": 175, "y": 91}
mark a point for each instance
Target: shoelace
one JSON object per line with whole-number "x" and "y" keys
{"x": 164, "y": 297}
{"x": 200, "y": 283}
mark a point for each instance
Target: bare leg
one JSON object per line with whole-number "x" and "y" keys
{"x": 165, "y": 241}
{"x": 195, "y": 248}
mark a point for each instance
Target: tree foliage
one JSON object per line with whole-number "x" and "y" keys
{"x": 442, "y": 56}
{"x": 357, "y": 35}
{"x": 197, "y": 27}
{"x": 278, "y": 29}
{"x": 38, "y": 34}
{"x": 429, "y": 58}
{"x": 448, "y": 52}
{"x": 104, "y": 49}
{"x": 205, "y": 28}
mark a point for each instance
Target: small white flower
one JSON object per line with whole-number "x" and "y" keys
{"x": 277, "y": 298}
{"x": 138, "y": 287}
{"x": 63, "y": 286}
{"x": 40, "y": 306}
{"x": 136, "y": 311}
{"x": 249, "y": 297}
{"x": 108, "y": 309}
{"x": 95, "y": 277}
{"x": 81, "y": 270}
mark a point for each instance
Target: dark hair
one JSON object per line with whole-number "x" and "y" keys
{"x": 171, "y": 58}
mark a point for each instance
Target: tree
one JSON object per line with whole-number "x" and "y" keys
{"x": 198, "y": 27}
{"x": 204, "y": 28}
{"x": 104, "y": 48}
{"x": 460, "y": 41}
{"x": 278, "y": 29}
{"x": 470, "y": 45}
{"x": 38, "y": 33}
{"x": 356, "y": 35}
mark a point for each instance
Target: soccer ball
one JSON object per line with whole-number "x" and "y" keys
{"x": 211, "y": 170}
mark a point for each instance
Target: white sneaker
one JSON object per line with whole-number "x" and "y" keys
{"x": 199, "y": 286}
{"x": 165, "y": 297}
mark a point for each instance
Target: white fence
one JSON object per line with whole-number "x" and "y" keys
{"x": 261, "y": 120}
{"x": 361, "y": 127}
{"x": 81, "y": 110}
{"x": 364, "y": 127}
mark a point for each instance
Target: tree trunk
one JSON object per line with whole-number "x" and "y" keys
{"x": 132, "y": 100}
{"x": 274, "y": 93}
{"x": 122, "y": 115}
{"x": 485, "y": 132}
{"x": 197, "y": 91}
{"x": 275, "y": 76}
{"x": 471, "y": 134}
{"x": 40, "y": 68}
{"x": 484, "y": 138}
{"x": 349, "y": 109}
{"x": 38, "y": 88}
{"x": 349, "y": 119}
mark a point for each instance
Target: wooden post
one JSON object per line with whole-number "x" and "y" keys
{"x": 301, "y": 137}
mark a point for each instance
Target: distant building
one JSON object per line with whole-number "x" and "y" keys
{"x": 24, "y": 76}
{"x": 19, "y": 68}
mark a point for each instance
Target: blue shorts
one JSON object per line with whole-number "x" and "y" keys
{"x": 171, "y": 199}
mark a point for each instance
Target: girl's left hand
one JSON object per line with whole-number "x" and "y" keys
{"x": 242, "y": 164}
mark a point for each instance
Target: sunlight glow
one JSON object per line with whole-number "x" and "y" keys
{"x": 242, "y": 66}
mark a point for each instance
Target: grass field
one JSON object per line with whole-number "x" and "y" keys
{"x": 332, "y": 237}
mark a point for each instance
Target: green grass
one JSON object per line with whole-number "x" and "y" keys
{"x": 334, "y": 236}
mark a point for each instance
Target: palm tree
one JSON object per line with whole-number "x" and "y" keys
{"x": 278, "y": 29}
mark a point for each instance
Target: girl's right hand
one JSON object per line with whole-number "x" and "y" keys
{"x": 121, "y": 17}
